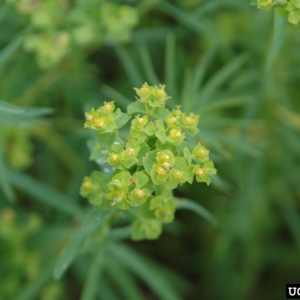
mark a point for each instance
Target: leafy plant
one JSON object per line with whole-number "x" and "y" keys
{"x": 148, "y": 164}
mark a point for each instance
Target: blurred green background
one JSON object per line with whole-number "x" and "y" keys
{"x": 223, "y": 59}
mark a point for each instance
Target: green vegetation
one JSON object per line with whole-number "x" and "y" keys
{"x": 91, "y": 170}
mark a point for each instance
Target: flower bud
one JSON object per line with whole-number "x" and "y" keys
{"x": 89, "y": 117}
{"x": 161, "y": 171}
{"x": 144, "y": 90}
{"x": 130, "y": 152}
{"x": 200, "y": 172}
{"x": 99, "y": 123}
{"x": 202, "y": 153}
{"x": 166, "y": 166}
{"x": 161, "y": 91}
{"x": 139, "y": 194}
{"x": 171, "y": 121}
{"x": 114, "y": 157}
{"x": 175, "y": 133}
{"x": 108, "y": 107}
{"x": 87, "y": 185}
{"x": 178, "y": 175}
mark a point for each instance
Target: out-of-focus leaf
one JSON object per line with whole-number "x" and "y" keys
{"x": 288, "y": 117}
{"x": 148, "y": 66}
{"x": 219, "y": 78}
{"x": 33, "y": 112}
{"x": 122, "y": 101}
{"x": 91, "y": 284}
{"x": 170, "y": 65}
{"x": 10, "y": 109}
{"x": 4, "y": 180}
{"x": 106, "y": 291}
{"x": 125, "y": 281}
{"x": 8, "y": 51}
{"x": 141, "y": 267}
{"x": 94, "y": 219}
{"x": 198, "y": 209}
{"x": 279, "y": 32}
{"x": 187, "y": 20}
{"x": 45, "y": 194}
{"x": 33, "y": 288}
{"x": 129, "y": 66}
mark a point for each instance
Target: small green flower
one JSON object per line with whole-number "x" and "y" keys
{"x": 159, "y": 174}
{"x": 139, "y": 123}
{"x": 94, "y": 188}
{"x": 204, "y": 173}
{"x": 100, "y": 121}
{"x": 115, "y": 156}
{"x": 118, "y": 198}
{"x": 165, "y": 156}
{"x": 149, "y": 229}
{"x": 108, "y": 107}
{"x": 165, "y": 213}
{"x": 200, "y": 154}
{"x": 138, "y": 197}
{"x": 175, "y": 136}
{"x": 130, "y": 153}
{"x": 171, "y": 120}
{"x": 181, "y": 173}
{"x": 158, "y": 96}
{"x": 87, "y": 187}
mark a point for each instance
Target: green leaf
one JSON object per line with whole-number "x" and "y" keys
{"x": 187, "y": 154}
{"x": 140, "y": 178}
{"x": 91, "y": 284}
{"x": 198, "y": 209}
{"x": 122, "y": 119}
{"x": 129, "y": 65}
{"x": 145, "y": 270}
{"x": 124, "y": 280}
{"x": 192, "y": 130}
{"x": 282, "y": 12}
{"x": 219, "y": 78}
{"x": 148, "y": 65}
{"x": 10, "y": 108}
{"x": 33, "y": 112}
{"x": 8, "y": 51}
{"x": 123, "y": 176}
{"x": 296, "y": 3}
{"x": 136, "y": 107}
{"x": 150, "y": 129}
{"x": 33, "y": 288}
{"x": 5, "y": 183}
{"x": 144, "y": 149}
{"x": 277, "y": 43}
{"x": 160, "y": 113}
{"x": 161, "y": 135}
{"x": 294, "y": 18}
{"x": 106, "y": 140}
{"x": 45, "y": 194}
{"x": 94, "y": 219}
{"x": 149, "y": 160}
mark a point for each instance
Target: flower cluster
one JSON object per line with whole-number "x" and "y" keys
{"x": 148, "y": 164}
{"x": 57, "y": 26}
{"x": 289, "y": 9}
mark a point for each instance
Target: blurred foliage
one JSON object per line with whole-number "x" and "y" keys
{"x": 232, "y": 64}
